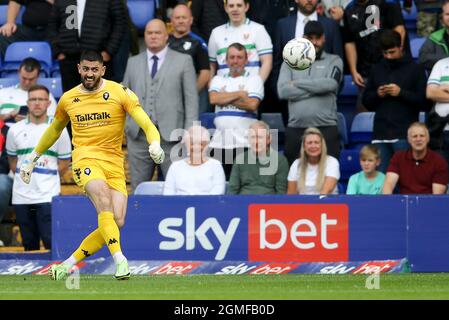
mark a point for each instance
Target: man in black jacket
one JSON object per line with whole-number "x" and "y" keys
{"x": 34, "y": 22}
{"x": 100, "y": 26}
{"x": 396, "y": 92}
{"x": 207, "y": 15}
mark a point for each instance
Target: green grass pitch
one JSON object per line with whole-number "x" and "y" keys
{"x": 221, "y": 287}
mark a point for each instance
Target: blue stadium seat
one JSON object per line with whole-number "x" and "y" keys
{"x": 341, "y": 187}
{"x": 150, "y": 188}
{"x": 415, "y": 45}
{"x": 141, "y": 12}
{"x": 55, "y": 71}
{"x": 362, "y": 128}
{"x": 349, "y": 163}
{"x": 342, "y": 130}
{"x": 349, "y": 89}
{"x": 17, "y": 51}
{"x": 7, "y": 82}
{"x": 410, "y": 18}
{"x": 422, "y": 117}
{"x": 207, "y": 119}
{"x": 52, "y": 84}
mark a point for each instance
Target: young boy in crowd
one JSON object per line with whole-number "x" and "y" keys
{"x": 369, "y": 180}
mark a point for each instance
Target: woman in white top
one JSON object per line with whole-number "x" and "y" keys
{"x": 314, "y": 172}
{"x": 197, "y": 174}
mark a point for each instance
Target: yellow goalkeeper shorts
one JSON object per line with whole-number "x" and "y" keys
{"x": 87, "y": 169}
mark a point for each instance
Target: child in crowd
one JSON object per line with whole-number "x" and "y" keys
{"x": 369, "y": 180}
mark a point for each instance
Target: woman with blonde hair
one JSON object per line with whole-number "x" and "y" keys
{"x": 314, "y": 172}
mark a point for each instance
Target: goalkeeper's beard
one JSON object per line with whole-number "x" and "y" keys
{"x": 91, "y": 86}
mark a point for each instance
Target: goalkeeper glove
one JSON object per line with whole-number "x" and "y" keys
{"x": 27, "y": 166}
{"x": 156, "y": 152}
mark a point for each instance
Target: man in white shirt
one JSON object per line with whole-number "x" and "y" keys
{"x": 236, "y": 96}
{"x": 242, "y": 30}
{"x": 32, "y": 202}
{"x": 12, "y": 98}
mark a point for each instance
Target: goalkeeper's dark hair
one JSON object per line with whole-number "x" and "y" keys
{"x": 91, "y": 55}
{"x": 245, "y": 1}
{"x": 389, "y": 39}
{"x": 30, "y": 64}
{"x": 39, "y": 87}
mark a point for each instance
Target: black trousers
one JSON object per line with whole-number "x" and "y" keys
{"x": 293, "y": 137}
{"x": 227, "y": 158}
{"x": 34, "y": 221}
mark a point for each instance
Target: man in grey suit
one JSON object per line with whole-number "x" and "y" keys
{"x": 165, "y": 82}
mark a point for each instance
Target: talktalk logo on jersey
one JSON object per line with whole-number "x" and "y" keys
{"x": 92, "y": 116}
{"x": 375, "y": 267}
{"x": 274, "y": 268}
{"x": 298, "y": 232}
{"x": 176, "y": 268}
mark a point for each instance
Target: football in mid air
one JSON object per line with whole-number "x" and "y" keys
{"x": 299, "y": 54}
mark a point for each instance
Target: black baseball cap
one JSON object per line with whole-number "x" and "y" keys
{"x": 313, "y": 28}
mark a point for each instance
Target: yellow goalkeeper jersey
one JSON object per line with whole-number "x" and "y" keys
{"x": 98, "y": 119}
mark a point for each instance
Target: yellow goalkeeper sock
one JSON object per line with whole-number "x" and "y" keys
{"x": 110, "y": 231}
{"x": 91, "y": 244}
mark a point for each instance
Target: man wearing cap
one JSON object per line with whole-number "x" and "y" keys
{"x": 312, "y": 95}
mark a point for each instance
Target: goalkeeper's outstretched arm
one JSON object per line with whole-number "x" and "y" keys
{"x": 151, "y": 132}
{"x": 143, "y": 121}
{"x": 49, "y": 137}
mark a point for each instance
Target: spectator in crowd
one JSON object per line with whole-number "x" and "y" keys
{"x": 197, "y": 174}
{"x": 128, "y": 44}
{"x": 369, "y": 180}
{"x": 207, "y": 15}
{"x": 363, "y": 22}
{"x": 184, "y": 41}
{"x": 293, "y": 27}
{"x": 5, "y": 179}
{"x": 165, "y": 82}
{"x": 335, "y": 9}
{"x": 312, "y": 95}
{"x": 314, "y": 172}
{"x": 428, "y": 17}
{"x": 260, "y": 170}
{"x": 436, "y": 45}
{"x": 242, "y": 30}
{"x": 32, "y": 203}
{"x": 417, "y": 170}
{"x": 34, "y": 22}
{"x": 396, "y": 92}
{"x": 93, "y": 25}
{"x": 268, "y": 12}
{"x": 438, "y": 91}
{"x": 12, "y": 98}
{"x": 236, "y": 97}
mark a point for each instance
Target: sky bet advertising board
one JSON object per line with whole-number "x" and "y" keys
{"x": 282, "y": 229}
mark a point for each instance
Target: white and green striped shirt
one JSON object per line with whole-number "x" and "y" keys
{"x": 440, "y": 76}
{"x": 251, "y": 34}
{"x": 22, "y": 138}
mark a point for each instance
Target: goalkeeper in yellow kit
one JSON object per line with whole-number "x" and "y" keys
{"x": 97, "y": 110}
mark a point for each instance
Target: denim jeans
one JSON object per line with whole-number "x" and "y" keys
{"x": 34, "y": 221}
{"x": 387, "y": 150}
{"x": 5, "y": 194}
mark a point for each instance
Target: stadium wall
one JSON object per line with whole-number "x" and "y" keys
{"x": 295, "y": 229}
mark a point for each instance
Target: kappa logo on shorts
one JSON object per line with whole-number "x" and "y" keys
{"x": 87, "y": 171}
{"x": 77, "y": 173}
{"x": 106, "y": 95}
